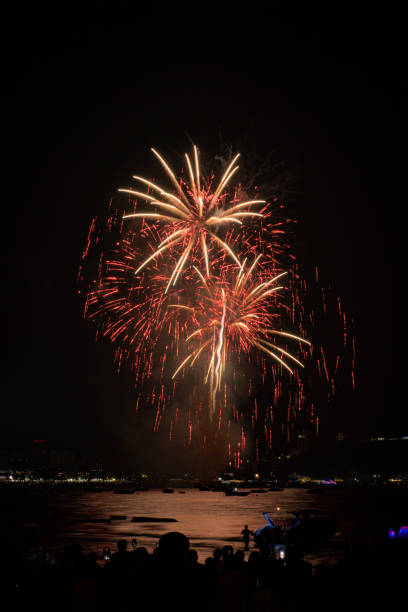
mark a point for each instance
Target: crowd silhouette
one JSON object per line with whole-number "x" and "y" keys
{"x": 171, "y": 577}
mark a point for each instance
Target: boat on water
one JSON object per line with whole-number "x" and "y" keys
{"x": 118, "y": 517}
{"x": 235, "y": 493}
{"x": 220, "y": 488}
{"x": 168, "y": 490}
{"x": 306, "y": 529}
{"x": 103, "y": 521}
{"x": 152, "y": 519}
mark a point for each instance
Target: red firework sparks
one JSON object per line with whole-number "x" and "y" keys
{"x": 236, "y": 316}
{"x": 219, "y": 297}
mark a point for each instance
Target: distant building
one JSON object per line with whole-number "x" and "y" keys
{"x": 384, "y": 438}
{"x": 13, "y": 459}
{"x": 62, "y": 459}
{"x": 38, "y": 455}
{"x": 303, "y": 441}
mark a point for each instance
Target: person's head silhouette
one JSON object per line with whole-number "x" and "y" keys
{"x": 174, "y": 546}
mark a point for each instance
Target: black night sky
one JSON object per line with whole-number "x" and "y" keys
{"x": 85, "y": 96}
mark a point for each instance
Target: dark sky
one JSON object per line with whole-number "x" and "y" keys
{"x": 87, "y": 94}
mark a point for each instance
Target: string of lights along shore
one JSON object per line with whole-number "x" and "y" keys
{"x": 196, "y": 284}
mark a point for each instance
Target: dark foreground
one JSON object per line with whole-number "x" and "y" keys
{"x": 368, "y": 577}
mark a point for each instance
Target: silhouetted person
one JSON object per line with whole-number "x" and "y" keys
{"x": 297, "y": 570}
{"x": 219, "y": 563}
{"x": 139, "y": 557}
{"x": 193, "y": 557}
{"x": 254, "y": 568}
{"x": 85, "y": 586}
{"x": 197, "y": 568}
{"x": 173, "y": 581}
{"x": 233, "y": 586}
{"x": 227, "y": 552}
{"x": 238, "y": 560}
{"x": 120, "y": 559}
{"x": 245, "y": 536}
{"x": 173, "y": 548}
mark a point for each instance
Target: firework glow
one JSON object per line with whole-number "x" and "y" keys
{"x": 213, "y": 311}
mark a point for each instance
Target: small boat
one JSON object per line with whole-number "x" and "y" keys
{"x": 275, "y": 489}
{"x": 204, "y": 488}
{"x": 237, "y": 493}
{"x": 181, "y": 492}
{"x": 118, "y": 517}
{"x": 220, "y": 488}
{"x": 308, "y": 529}
{"x": 152, "y": 519}
{"x": 258, "y": 491}
{"x": 168, "y": 490}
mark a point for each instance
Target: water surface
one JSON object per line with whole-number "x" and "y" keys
{"x": 209, "y": 519}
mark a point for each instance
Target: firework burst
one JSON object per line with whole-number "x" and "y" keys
{"x": 236, "y": 316}
{"x": 192, "y": 215}
{"x": 202, "y": 318}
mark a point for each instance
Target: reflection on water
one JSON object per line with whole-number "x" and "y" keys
{"x": 209, "y": 519}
